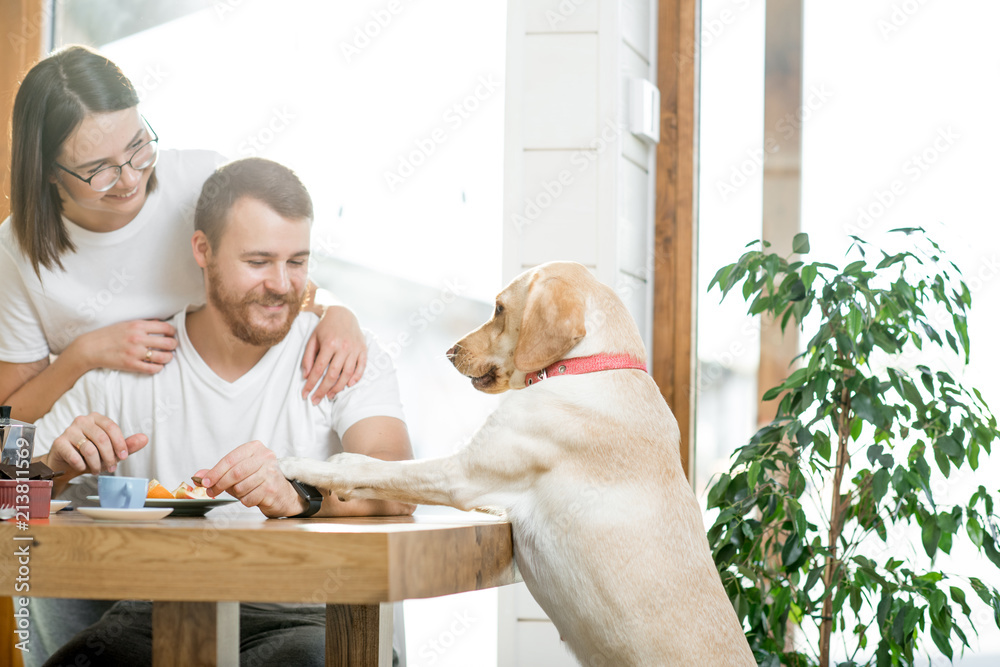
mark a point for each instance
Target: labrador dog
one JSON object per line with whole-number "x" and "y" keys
{"x": 583, "y": 460}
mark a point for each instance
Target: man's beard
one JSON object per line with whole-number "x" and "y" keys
{"x": 235, "y": 311}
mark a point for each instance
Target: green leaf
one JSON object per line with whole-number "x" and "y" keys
{"x": 938, "y": 602}
{"x": 795, "y": 614}
{"x": 796, "y": 379}
{"x": 990, "y": 547}
{"x": 874, "y": 452}
{"x": 854, "y": 322}
{"x": 801, "y": 525}
{"x": 808, "y": 275}
{"x": 717, "y": 492}
{"x": 792, "y": 551}
{"x": 855, "y": 600}
{"x": 952, "y": 343}
{"x": 949, "y": 446}
{"x": 814, "y": 575}
{"x": 946, "y": 539}
{"x": 753, "y": 474}
{"x": 880, "y": 484}
{"x": 912, "y": 394}
{"x": 930, "y": 535}
{"x": 854, "y": 268}
{"x": 720, "y": 278}
{"x": 975, "y": 531}
{"x": 862, "y": 405}
{"x": 856, "y": 426}
{"x": 942, "y": 461}
{"x": 884, "y": 605}
{"x": 958, "y": 595}
{"x": 821, "y": 445}
{"x": 882, "y": 658}
{"x": 973, "y": 454}
{"x": 796, "y": 292}
{"x": 962, "y": 327}
{"x": 772, "y": 393}
{"x": 899, "y": 623}
{"x": 981, "y": 590}
{"x": 800, "y": 243}
{"x": 941, "y": 641}
{"x": 890, "y": 260}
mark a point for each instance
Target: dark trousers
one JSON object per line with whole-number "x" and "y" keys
{"x": 124, "y": 637}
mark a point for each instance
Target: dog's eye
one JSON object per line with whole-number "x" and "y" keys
{"x": 498, "y": 311}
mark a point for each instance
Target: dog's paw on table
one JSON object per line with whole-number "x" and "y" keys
{"x": 296, "y": 467}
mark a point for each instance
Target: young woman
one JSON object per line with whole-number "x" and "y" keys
{"x": 97, "y": 250}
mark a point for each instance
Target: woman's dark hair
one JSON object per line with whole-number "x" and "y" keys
{"x": 55, "y": 96}
{"x": 274, "y": 184}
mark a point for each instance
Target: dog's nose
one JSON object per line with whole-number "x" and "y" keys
{"x": 451, "y": 352}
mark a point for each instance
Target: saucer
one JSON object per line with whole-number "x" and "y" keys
{"x": 139, "y": 514}
{"x": 56, "y": 505}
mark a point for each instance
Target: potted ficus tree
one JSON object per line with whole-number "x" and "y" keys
{"x": 829, "y": 526}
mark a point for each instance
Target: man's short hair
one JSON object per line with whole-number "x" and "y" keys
{"x": 274, "y": 184}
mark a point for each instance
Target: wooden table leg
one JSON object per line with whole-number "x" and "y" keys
{"x": 196, "y": 633}
{"x": 359, "y": 635}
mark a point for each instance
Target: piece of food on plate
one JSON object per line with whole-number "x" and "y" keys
{"x": 157, "y": 490}
{"x": 186, "y": 491}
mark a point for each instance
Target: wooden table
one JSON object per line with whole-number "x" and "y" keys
{"x": 197, "y": 570}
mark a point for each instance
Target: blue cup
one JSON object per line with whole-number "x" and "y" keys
{"x": 122, "y": 492}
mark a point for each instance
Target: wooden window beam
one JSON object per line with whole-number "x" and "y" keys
{"x": 675, "y": 276}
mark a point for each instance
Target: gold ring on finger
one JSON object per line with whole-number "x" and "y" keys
{"x": 149, "y": 354}
{"x": 80, "y": 444}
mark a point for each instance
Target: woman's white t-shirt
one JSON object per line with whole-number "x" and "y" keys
{"x": 145, "y": 270}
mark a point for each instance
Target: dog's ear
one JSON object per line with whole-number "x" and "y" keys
{"x": 553, "y": 322}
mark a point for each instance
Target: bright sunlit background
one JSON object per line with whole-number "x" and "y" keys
{"x": 395, "y": 123}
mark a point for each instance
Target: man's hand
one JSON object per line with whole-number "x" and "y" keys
{"x": 92, "y": 444}
{"x": 250, "y": 472}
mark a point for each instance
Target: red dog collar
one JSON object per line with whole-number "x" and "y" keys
{"x": 580, "y": 365}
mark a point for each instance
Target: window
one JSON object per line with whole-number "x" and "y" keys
{"x": 392, "y": 114}
{"x": 898, "y": 131}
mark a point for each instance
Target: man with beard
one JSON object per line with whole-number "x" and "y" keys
{"x": 229, "y": 405}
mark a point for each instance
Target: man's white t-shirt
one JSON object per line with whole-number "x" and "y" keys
{"x": 193, "y": 417}
{"x": 145, "y": 270}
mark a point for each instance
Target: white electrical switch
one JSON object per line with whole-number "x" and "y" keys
{"x": 644, "y": 110}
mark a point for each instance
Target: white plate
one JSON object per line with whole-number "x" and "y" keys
{"x": 143, "y": 514}
{"x": 189, "y": 506}
{"x": 57, "y": 505}
{"x": 184, "y": 506}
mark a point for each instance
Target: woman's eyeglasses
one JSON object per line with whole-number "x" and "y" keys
{"x": 105, "y": 178}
